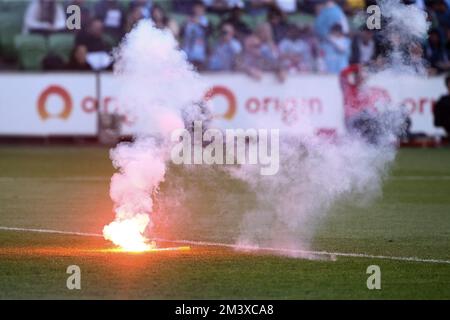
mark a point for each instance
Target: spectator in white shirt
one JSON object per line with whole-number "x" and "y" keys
{"x": 223, "y": 5}
{"x": 363, "y": 47}
{"x": 44, "y": 16}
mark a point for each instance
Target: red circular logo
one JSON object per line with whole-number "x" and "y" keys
{"x": 42, "y": 103}
{"x": 228, "y": 95}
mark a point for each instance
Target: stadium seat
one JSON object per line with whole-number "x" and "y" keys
{"x": 253, "y": 21}
{"x": 301, "y": 19}
{"x": 166, "y": 5}
{"x": 31, "y": 49}
{"x": 123, "y": 3}
{"x": 179, "y": 18}
{"x": 18, "y": 6}
{"x": 61, "y": 44}
{"x": 214, "y": 19}
{"x": 10, "y": 25}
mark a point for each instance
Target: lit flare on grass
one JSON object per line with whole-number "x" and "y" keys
{"x": 128, "y": 233}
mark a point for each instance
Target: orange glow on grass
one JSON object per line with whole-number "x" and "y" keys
{"x": 122, "y": 250}
{"x": 81, "y": 251}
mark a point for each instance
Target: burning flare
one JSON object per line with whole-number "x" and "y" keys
{"x": 128, "y": 233}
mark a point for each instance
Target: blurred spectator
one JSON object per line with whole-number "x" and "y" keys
{"x": 195, "y": 35}
{"x": 78, "y": 61}
{"x": 162, "y": 21}
{"x": 112, "y": 16}
{"x": 435, "y": 52}
{"x": 356, "y": 4}
{"x": 318, "y": 56}
{"x": 145, "y": 7}
{"x": 441, "y": 110}
{"x": 52, "y": 62}
{"x": 221, "y": 6}
{"x": 44, "y": 16}
{"x": 93, "y": 39}
{"x": 388, "y": 47}
{"x": 336, "y": 48}
{"x": 252, "y": 61}
{"x": 235, "y": 18}
{"x": 442, "y": 12}
{"x": 259, "y": 7}
{"x": 282, "y": 46}
{"x": 134, "y": 15}
{"x": 269, "y": 49}
{"x": 278, "y": 22}
{"x": 223, "y": 57}
{"x": 288, "y": 6}
{"x": 420, "y": 4}
{"x": 415, "y": 54}
{"x": 328, "y": 15}
{"x": 183, "y": 6}
{"x": 363, "y": 47}
{"x": 296, "y": 52}
{"x": 447, "y": 42}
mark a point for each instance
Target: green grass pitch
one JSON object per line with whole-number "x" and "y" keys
{"x": 67, "y": 188}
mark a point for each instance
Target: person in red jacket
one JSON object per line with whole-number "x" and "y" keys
{"x": 360, "y": 104}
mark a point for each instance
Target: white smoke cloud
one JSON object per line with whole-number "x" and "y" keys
{"x": 315, "y": 173}
{"x": 409, "y": 19}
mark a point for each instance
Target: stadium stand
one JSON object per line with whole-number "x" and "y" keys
{"x": 13, "y": 47}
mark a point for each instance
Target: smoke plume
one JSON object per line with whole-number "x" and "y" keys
{"x": 315, "y": 172}
{"x": 156, "y": 83}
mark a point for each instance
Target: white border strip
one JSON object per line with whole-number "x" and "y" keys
{"x": 105, "y": 178}
{"x": 304, "y": 253}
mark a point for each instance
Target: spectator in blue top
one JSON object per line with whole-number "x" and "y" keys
{"x": 336, "y": 48}
{"x": 195, "y": 34}
{"x": 224, "y": 55}
{"x": 328, "y": 15}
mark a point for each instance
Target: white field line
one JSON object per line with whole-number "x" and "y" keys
{"x": 51, "y": 231}
{"x": 304, "y": 253}
{"x": 419, "y": 178}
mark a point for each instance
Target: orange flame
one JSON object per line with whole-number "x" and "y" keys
{"x": 128, "y": 233}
